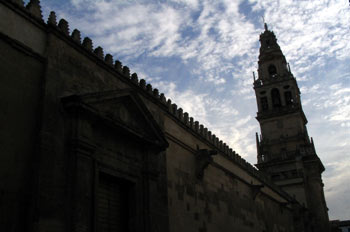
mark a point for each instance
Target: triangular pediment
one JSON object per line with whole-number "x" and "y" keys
{"x": 126, "y": 111}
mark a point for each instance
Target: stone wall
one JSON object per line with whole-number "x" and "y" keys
{"x": 226, "y": 197}
{"x": 21, "y": 84}
{"x": 72, "y": 113}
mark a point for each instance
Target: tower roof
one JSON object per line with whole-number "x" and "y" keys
{"x": 268, "y": 41}
{"x": 273, "y": 66}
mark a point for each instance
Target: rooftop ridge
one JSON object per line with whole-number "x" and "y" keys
{"x": 34, "y": 9}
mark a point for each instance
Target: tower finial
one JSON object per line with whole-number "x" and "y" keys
{"x": 265, "y": 25}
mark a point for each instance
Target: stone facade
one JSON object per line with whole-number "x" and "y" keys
{"x": 87, "y": 146}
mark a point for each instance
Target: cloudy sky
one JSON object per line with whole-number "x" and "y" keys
{"x": 201, "y": 54}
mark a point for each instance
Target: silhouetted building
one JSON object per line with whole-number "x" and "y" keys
{"x": 87, "y": 146}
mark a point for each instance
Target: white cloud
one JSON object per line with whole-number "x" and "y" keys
{"x": 157, "y": 29}
{"x": 336, "y": 191}
{"x": 218, "y": 115}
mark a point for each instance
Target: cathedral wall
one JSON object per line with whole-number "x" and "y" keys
{"x": 58, "y": 168}
{"x": 223, "y": 199}
{"x": 20, "y": 26}
{"x": 73, "y": 71}
{"x": 21, "y": 84}
{"x": 69, "y": 72}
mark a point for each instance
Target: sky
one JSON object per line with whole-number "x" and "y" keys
{"x": 201, "y": 55}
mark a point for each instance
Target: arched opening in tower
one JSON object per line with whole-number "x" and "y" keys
{"x": 272, "y": 70}
{"x": 276, "y": 98}
{"x": 288, "y": 97}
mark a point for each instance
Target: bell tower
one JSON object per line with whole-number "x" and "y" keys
{"x": 285, "y": 151}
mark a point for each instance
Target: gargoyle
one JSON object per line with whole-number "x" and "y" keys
{"x": 256, "y": 189}
{"x": 203, "y": 158}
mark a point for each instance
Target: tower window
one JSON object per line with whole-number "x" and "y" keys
{"x": 264, "y": 104}
{"x": 276, "y": 99}
{"x": 272, "y": 70}
{"x": 288, "y": 97}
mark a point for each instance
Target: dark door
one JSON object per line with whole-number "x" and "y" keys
{"x": 112, "y": 204}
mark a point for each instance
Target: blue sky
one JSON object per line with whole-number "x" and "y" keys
{"x": 201, "y": 54}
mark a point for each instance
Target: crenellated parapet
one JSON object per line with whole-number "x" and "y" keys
{"x": 33, "y": 8}
{"x": 61, "y": 27}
